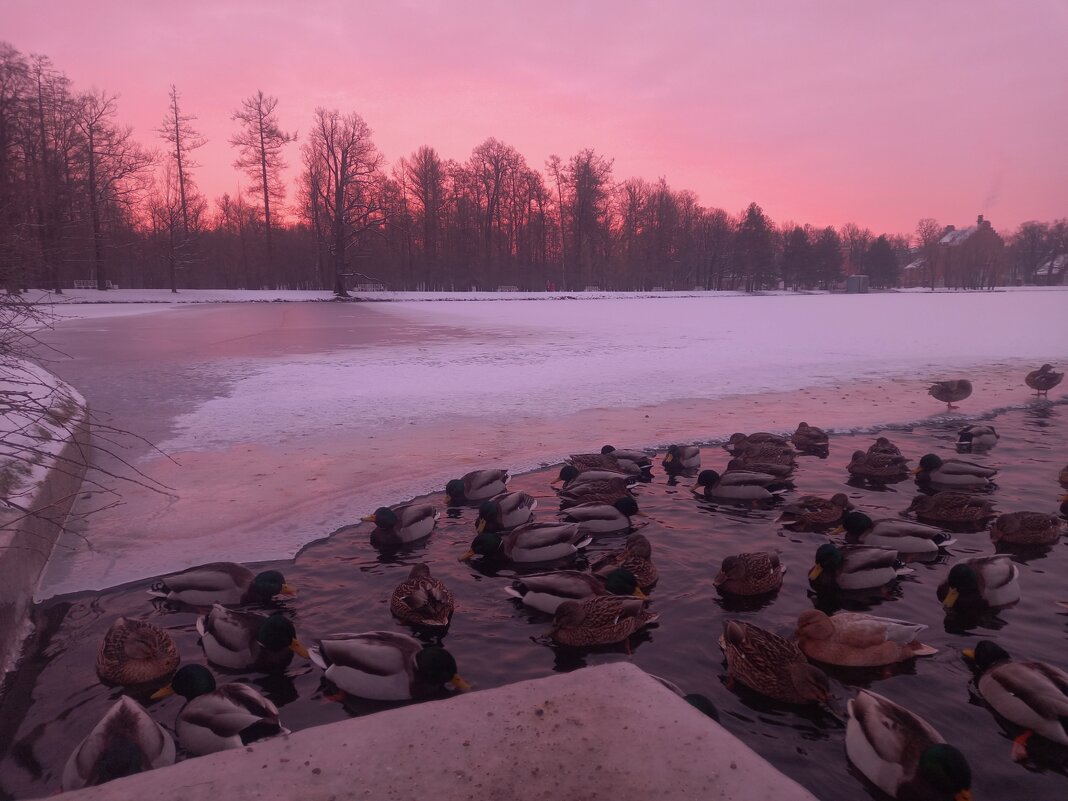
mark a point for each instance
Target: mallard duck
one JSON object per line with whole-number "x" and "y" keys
{"x": 884, "y": 446}
{"x": 781, "y": 470}
{"x": 814, "y": 513}
{"x": 422, "y": 600}
{"x": 218, "y": 718}
{"x": 682, "y": 457}
{"x": 977, "y": 438}
{"x": 766, "y": 453}
{"x": 1030, "y": 694}
{"x": 247, "y": 641}
{"x": 853, "y": 639}
{"x": 546, "y": 591}
{"x": 1063, "y": 478}
{"x": 741, "y": 486}
{"x": 901, "y": 753}
{"x": 878, "y": 467}
{"x": 904, "y": 536}
{"x": 124, "y": 742}
{"x": 771, "y": 665}
{"x": 640, "y": 458}
{"x": 604, "y": 461}
{"x": 753, "y": 573}
{"x": 221, "y": 583}
{"x": 980, "y": 582}
{"x": 399, "y": 525}
{"x": 570, "y": 476}
{"x": 1043, "y": 379}
{"x": 739, "y": 442}
{"x": 854, "y": 567}
{"x": 600, "y": 620}
{"x": 953, "y": 473}
{"x": 951, "y": 508}
{"x": 478, "y": 485}
{"x": 136, "y": 652}
{"x": 636, "y": 556}
{"x": 386, "y": 666}
{"x": 533, "y": 542}
{"x": 505, "y": 511}
{"x": 950, "y": 391}
{"x": 604, "y": 490}
{"x": 603, "y": 518}
{"x": 811, "y": 439}
{"x": 1027, "y": 528}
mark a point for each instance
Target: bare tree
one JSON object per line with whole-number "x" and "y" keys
{"x": 426, "y": 176}
{"x": 348, "y": 175}
{"x": 259, "y": 143}
{"x": 928, "y": 233}
{"x": 177, "y": 129}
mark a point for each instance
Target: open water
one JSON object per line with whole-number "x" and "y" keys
{"x": 345, "y": 583}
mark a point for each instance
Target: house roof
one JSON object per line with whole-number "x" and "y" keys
{"x": 958, "y": 237}
{"x": 919, "y": 264}
{"x": 1054, "y": 266}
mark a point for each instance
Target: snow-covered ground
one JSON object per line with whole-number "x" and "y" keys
{"x": 300, "y": 444}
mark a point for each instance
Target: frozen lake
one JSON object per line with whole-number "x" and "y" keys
{"x": 281, "y": 422}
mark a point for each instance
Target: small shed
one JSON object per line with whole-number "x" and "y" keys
{"x": 857, "y": 284}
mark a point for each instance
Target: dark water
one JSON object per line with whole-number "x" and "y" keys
{"x": 345, "y": 585}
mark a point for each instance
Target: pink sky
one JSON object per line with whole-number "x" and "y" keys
{"x": 822, "y": 111}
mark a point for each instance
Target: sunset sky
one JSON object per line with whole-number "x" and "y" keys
{"x": 822, "y": 111}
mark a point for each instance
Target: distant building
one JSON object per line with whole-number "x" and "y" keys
{"x": 1053, "y": 271}
{"x": 969, "y": 258}
{"x": 915, "y": 273}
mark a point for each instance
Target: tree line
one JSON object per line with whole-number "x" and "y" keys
{"x": 82, "y": 199}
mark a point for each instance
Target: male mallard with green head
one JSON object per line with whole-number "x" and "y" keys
{"x": 904, "y": 536}
{"x": 221, "y": 583}
{"x": 546, "y": 591}
{"x": 979, "y": 583}
{"x": 399, "y": 525}
{"x": 953, "y": 473}
{"x": 476, "y": 486}
{"x": 248, "y": 641}
{"x": 505, "y": 511}
{"x": 533, "y": 542}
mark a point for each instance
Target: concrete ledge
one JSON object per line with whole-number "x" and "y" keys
{"x": 608, "y": 732}
{"x": 27, "y": 540}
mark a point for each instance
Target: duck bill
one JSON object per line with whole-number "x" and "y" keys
{"x": 1064, "y": 498}
{"x": 162, "y": 692}
{"x": 288, "y": 590}
{"x": 639, "y": 594}
{"x": 298, "y": 648}
{"x": 969, "y": 653}
{"x": 556, "y": 481}
{"x": 963, "y": 795}
{"x": 669, "y": 459}
{"x": 815, "y": 572}
{"x": 368, "y": 518}
{"x": 466, "y": 556}
{"x": 459, "y": 684}
{"x": 721, "y": 577}
{"x": 917, "y": 470}
{"x": 837, "y": 530}
{"x": 480, "y": 526}
{"x": 951, "y": 598}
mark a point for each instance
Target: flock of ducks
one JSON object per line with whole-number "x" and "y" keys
{"x": 895, "y": 748}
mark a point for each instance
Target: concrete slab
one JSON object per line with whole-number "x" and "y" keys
{"x": 608, "y": 732}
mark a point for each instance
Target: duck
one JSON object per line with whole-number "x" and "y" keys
{"x": 979, "y": 583}
{"x": 640, "y": 458}
{"x": 125, "y": 741}
{"x": 400, "y": 525}
{"x": 771, "y": 665}
{"x": 977, "y": 438}
{"x": 1030, "y": 694}
{"x": 1063, "y": 477}
{"x": 854, "y": 567}
{"x": 901, "y": 753}
{"x": 885, "y": 446}
{"x": 771, "y": 467}
{"x": 877, "y": 467}
{"x": 600, "y": 620}
{"x": 603, "y": 518}
{"x": 546, "y": 591}
{"x": 739, "y": 442}
{"x": 766, "y": 453}
{"x": 904, "y": 536}
{"x": 810, "y": 438}
{"x": 1026, "y": 528}
{"x": 950, "y": 391}
{"x": 422, "y": 600}
{"x": 604, "y": 490}
{"x": 219, "y": 718}
{"x": 505, "y": 511}
{"x": 248, "y": 641}
{"x": 570, "y": 476}
{"x": 386, "y": 666}
{"x": 1043, "y": 379}
{"x": 636, "y": 556}
{"x": 854, "y": 639}
{"x": 814, "y": 512}
{"x": 951, "y": 508}
{"x": 742, "y": 486}
{"x": 476, "y": 486}
{"x": 953, "y": 473}
{"x": 221, "y": 583}
{"x": 604, "y": 461}
{"x": 754, "y": 573}
{"x": 533, "y": 542}
{"x": 136, "y": 652}
{"x": 682, "y": 457}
